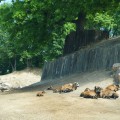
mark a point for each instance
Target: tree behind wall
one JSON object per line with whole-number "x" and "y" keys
{"x": 37, "y": 27}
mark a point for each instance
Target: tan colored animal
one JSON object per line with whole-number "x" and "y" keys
{"x": 107, "y": 93}
{"x": 91, "y": 93}
{"x": 57, "y": 89}
{"x": 82, "y": 94}
{"x": 50, "y": 88}
{"x": 69, "y": 87}
{"x": 113, "y": 87}
{"x": 40, "y": 93}
{"x": 64, "y": 88}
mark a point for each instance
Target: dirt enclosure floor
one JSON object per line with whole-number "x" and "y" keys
{"x": 24, "y": 105}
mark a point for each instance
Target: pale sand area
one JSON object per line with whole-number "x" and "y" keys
{"x": 24, "y": 105}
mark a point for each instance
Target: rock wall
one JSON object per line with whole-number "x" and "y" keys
{"x": 95, "y": 57}
{"x": 76, "y": 40}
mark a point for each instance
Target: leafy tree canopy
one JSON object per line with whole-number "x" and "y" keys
{"x": 32, "y": 31}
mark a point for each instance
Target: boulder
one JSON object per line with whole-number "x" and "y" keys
{"x": 115, "y": 67}
{"x": 5, "y": 86}
{"x": 116, "y": 76}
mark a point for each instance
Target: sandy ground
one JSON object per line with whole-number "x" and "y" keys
{"x": 24, "y": 105}
{"x": 22, "y": 78}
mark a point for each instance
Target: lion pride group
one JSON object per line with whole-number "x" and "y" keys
{"x": 98, "y": 92}
{"x": 108, "y": 92}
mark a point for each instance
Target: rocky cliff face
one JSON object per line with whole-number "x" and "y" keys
{"x": 76, "y": 40}
{"x": 95, "y": 57}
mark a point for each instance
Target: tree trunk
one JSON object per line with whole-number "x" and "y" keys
{"x": 29, "y": 63}
{"x": 80, "y": 22}
{"x": 15, "y": 63}
{"x": 12, "y": 66}
{"x": 115, "y": 31}
{"x": 79, "y": 37}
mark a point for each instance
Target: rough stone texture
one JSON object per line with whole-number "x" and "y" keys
{"x": 116, "y": 76}
{"x": 115, "y": 67}
{"x": 5, "y": 86}
{"x": 95, "y": 57}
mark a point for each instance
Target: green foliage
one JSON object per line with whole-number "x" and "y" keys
{"x": 117, "y": 21}
{"x": 32, "y": 31}
{"x": 101, "y": 20}
{"x": 54, "y": 48}
{"x": 104, "y": 20}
